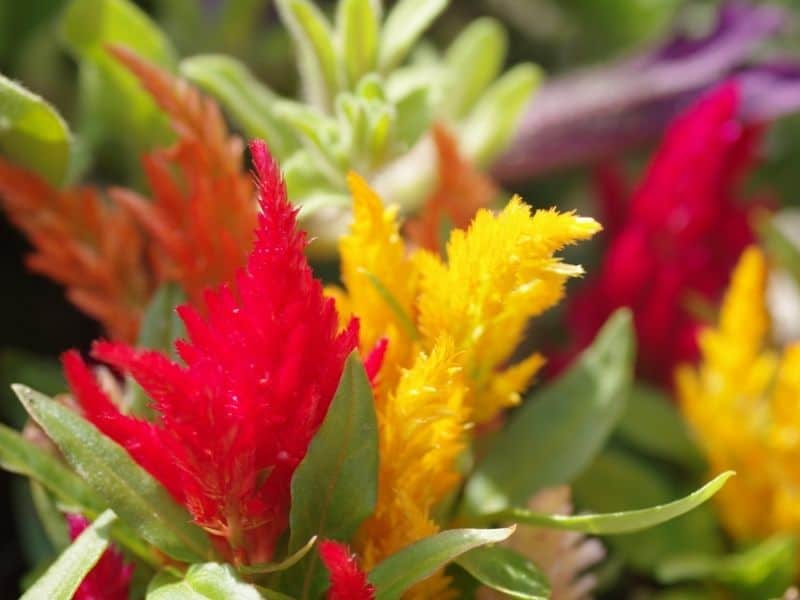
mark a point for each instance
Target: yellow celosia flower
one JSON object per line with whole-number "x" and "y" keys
{"x": 499, "y": 274}
{"x": 421, "y": 434}
{"x": 452, "y": 327}
{"x": 743, "y": 404}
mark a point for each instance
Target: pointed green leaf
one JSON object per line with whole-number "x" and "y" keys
{"x": 621, "y": 480}
{"x": 288, "y": 562}
{"x": 315, "y": 48}
{"x": 109, "y": 470}
{"x": 489, "y": 128}
{"x": 506, "y": 571}
{"x": 209, "y": 581}
{"x": 420, "y": 560}
{"x": 21, "y": 456}
{"x": 65, "y": 575}
{"x": 32, "y": 133}
{"x": 248, "y": 100}
{"x": 473, "y": 61}
{"x": 357, "y": 29}
{"x": 335, "y": 487}
{"x": 617, "y": 522}
{"x": 404, "y": 25}
{"x": 558, "y": 431}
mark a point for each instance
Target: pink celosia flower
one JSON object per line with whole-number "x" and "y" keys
{"x": 111, "y": 576}
{"x": 673, "y": 246}
{"x": 260, "y": 370}
{"x": 348, "y": 582}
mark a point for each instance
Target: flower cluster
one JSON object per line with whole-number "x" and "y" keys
{"x": 260, "y": 371}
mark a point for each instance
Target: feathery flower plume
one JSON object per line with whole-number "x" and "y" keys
{"x": 741, "y": 402}
{"x": 199, "y": 225}
{"x": 203, "y": 212}
{"x": 260, "y": 371}
{"x": 684, "y": 231}
{"x": 348, "y": 582}
{"x": 110, "y": 578}
{"x": 91, "y": 247}
{"x": 446, "y": 357}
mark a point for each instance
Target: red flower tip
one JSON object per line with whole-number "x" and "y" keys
{"x": 348, "y": 582}
{"x": 111, "y": 576}
{"x": 261, "y": 365}
{"x": 682, "y": 234}
{"x": 374, "y": 360}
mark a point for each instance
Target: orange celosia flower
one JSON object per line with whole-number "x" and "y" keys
{"x": 199, "y": 225}
{"x": 202, "y": 219}
{"x": 92, "y": 248}
{"x": 461, "y": 191}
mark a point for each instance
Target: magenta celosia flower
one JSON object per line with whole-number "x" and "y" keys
{"x": 111, "y": 576}
{"x": 260, "y": 368}
{"x": 673, "y": 245}
{"x": 348, "y": 582}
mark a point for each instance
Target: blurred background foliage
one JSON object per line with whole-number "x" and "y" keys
{"x": 39, "y": 45}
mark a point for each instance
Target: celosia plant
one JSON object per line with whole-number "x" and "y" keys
{"x": 682, "y": 231}
{"x": 251, "y": 435}
{"x": 741, "y": 402}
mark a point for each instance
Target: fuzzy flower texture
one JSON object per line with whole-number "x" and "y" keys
{"x": 741, "y": 402}
{"x": 262, "y": 363}
{"x": 453, "y": 323}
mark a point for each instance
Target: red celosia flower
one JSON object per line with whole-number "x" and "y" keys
{"x": 260, "y": 371}
{"x": 111, "y": 576}
{"x": 348, "y": 582}
{"x": 684, "y": 230}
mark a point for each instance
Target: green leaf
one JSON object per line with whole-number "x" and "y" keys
{"x": 65, "y": 575}
{"x": 161, "y": 327}
{"x": 315, "y": 48}
{"x": 618, "y": 479}
{"x": 357, "y": 29}
{"x": 473, "y": 61}
{"x": 651, "y": 424}
{"x": 420, "y": 560}
{"x": 558, "y": 431}
{"x": 23, "y": 457}
{"x": 762, "y": 571}
{"x": 289, "y": 561}
{"x": 404, "y": 25}
{"x": 617, "y": 522}
{"x": 108, "y": 469}
{"x": 506, "y": 571}
{"x": 335, "y": 487}
{"x": 112, "y": 100}
{"x": 209, "y": 581}
{"x": 247, "y": 100}
{"x": 32, "y": 133}
{"x": 489, "y": 128}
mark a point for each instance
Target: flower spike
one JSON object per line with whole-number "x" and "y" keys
{"x": 261, "y": 365}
